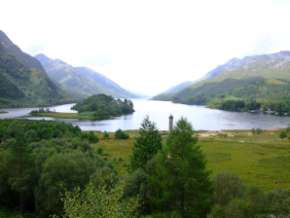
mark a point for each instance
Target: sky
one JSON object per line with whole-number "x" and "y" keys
{"x": 147, "y": 46}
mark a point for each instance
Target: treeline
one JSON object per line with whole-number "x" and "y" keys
{"x": 104, "y": 106}
{"x": 250, "y": 105}
{"x": 242, "y": 95}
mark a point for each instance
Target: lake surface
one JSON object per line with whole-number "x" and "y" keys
{"x": 202, "y": 118}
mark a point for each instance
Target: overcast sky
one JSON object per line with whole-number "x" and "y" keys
{"x": 148, "y": 45}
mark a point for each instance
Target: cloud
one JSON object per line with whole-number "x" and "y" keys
{"x": 149, "y": 45}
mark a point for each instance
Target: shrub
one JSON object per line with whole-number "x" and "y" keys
{"x": 120, "y": 134}
{"x": 106, "y": 135}
{"x": 227, "y": 187}
{"x": 90, "y": 136}
{"x": 283, "y": 135}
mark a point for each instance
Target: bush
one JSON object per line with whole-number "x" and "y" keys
{"x": 106, "y": 135}
{"x": 257, "y": 131}
{"x": 90, "y": 136}
{"x": 227, "y": 187}
{"x": 119, "y": 134}
{"x": 283, "y": 135}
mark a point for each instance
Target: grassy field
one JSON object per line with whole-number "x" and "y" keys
{"x": 78, "y": 116}
{"x": 261, "y": 160}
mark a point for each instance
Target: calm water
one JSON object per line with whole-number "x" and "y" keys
{"x": 201, "y": 118}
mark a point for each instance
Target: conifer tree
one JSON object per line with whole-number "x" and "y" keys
{"x": 178, "y": 178}
{"x": 146, "y": 145}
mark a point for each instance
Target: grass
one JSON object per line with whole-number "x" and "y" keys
{"x": 78, "y": 116}
{"x": 259, "y": 160}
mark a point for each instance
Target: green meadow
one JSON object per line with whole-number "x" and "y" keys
{"x": 261, "y": 160}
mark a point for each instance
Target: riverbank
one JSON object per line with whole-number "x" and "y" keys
{"x": 58, "y": 115}
{"x": 261, "y": 159}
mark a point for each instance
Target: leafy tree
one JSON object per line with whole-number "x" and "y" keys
{"x": 62, "y": 172}
{"x": 146, "y": 145}
{"x": 178, "y": 178}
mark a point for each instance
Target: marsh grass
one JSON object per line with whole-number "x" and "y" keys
{"x": 261, "y": 160}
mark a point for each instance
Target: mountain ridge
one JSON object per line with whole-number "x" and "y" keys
{"x": 258, "y": 82}
{"x": 85, "y": 80}
{"x": 24, "y": 82}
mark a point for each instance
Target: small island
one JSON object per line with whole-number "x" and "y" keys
{"x": 3, "y": 112}
{"x": 96, "y": 107}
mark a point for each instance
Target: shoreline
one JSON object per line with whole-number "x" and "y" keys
{"x": 267, "y": 112}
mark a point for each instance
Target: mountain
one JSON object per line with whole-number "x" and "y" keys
{"x": 166, "y": 95}
{"x": 260, "y": 82}
{"x": 23, "y": 81}
{"x": 80, "y": 81}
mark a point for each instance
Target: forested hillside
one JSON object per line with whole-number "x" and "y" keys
{"x": 173, "y": 90}
{"x": 250, "y": 84}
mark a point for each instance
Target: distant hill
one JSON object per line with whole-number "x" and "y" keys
{"x": 23, "y": 81}
{"x": 260, "y": 82}
{"x": 173, "y": 90}
{"x": 80, "y": 81}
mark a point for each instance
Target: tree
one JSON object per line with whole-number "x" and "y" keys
{"x": 146, "y": 145}
{"x": 62, "y": 172}
{"x": 178, "y": 178}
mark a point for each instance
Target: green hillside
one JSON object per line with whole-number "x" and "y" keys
{"x": 23, "y": 81}
{"x": 255, "y": 83}
{"x": 165, "y": 96}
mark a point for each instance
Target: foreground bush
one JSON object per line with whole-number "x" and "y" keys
{"x": 234, "y": 199}
{"x": 98, "y": 201}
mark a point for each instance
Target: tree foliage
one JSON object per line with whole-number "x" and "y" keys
{"x": 146, "y": 145}
{"x": 104, "y": 106}
{"x": 98, "y": 201}
{"x": 40, "y": 160}
{"x": 179, "y": 179}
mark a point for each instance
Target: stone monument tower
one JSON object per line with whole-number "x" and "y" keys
{"x": 170, "y": 122}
